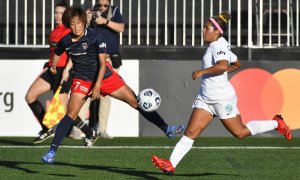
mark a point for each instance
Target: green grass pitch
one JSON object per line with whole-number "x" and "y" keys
{"x": 130, "y": 158}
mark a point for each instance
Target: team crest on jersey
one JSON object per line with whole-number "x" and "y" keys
{"x": 84, "y": 46}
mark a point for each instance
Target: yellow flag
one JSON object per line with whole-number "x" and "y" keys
{"x": 55, "y": 111}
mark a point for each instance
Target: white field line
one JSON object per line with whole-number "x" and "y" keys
{"x": 156, "y": 147}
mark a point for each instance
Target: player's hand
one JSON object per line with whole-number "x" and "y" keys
{"x": 197, "y": 74}
{"x": 65, "y": 76}
{"x": 53, "y": 69}
{"x": 95, "y": 93}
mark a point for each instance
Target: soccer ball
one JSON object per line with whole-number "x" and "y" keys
{"x": 149, "y": 100}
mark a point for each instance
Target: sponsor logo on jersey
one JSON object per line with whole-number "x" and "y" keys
{"x": 84, "y": 46}
{"x": 221, "y": 52}
{"x": 77, "y": 54}
{"x": 102, "y": 45}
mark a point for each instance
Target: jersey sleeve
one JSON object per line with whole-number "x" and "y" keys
{"x": 101, "y": 44}
{"x": 117, "y": 17}
{"x": 60, "y": 47}
{"x": 221, "y": 52}
{"x": 233, "y": 57}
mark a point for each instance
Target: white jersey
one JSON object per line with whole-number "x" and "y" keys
{"x": 216, "y": 88}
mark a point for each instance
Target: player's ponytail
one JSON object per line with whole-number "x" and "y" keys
{"x": 221, "y": 21}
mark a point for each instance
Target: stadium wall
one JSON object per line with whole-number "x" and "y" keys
{"x": 16, "y": 118}
{"x": 264, "y": 88}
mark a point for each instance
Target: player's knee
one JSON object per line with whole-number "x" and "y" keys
{"x": 190, "y": 134}
{"x": 28, "y": 98}
{"x": 72, "y": 116}
{"x": 240, "y": 135}
{"x": 133, "y": 103}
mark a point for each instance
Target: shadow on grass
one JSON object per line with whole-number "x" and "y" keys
{"x": 111, "y": 169}
{"x": 5, "y": 141}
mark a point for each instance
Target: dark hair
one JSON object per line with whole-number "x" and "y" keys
{"x": 63, "y": 3}
{"x": 72, "y": 12}
{"x": 222, "y": 20}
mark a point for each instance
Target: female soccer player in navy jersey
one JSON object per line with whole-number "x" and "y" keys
{"x": 217, "y": 97}
{"x": 92, "y": 76}
{"x": 48, "y": 81}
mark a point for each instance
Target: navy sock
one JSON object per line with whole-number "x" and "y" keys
{"x": 155, "y": 118}
{"x": 62, "y": 130}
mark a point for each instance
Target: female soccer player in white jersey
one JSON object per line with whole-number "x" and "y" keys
{"x": 217, "y": 97}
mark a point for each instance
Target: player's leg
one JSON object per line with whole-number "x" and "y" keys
{"x": 126, "y": 94}
{"x": 37, "y": 88}
{"x": 105, "y": 102}
{"x": 64, "y": 97}
{"x": 40, "y": 86}
{"x": 75, "y": 103}
{"x": 103, "y": 114}
{"x": 235, "y": 126}
{"x": 229, "y": 114}
{"x": 199, "y": 120}
{"x": 238, "y": 129}
{"x": 80, "y": 126}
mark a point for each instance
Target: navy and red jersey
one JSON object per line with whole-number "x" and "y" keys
{"x": 84, "y": 54}
{"x": 111, "y": 36}
{"x": 59, "y": 32}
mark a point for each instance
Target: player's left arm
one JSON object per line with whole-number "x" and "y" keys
{"x": 96, "y": 90}
{"x": 101, "y": 50}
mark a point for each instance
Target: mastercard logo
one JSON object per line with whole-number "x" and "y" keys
{"x": 261, "y": 94}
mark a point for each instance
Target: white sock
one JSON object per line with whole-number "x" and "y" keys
{"x": 182, "y": 147}
{"x": 261, "y": 126}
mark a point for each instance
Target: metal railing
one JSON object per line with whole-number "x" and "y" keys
{"x": 269, "y": 23}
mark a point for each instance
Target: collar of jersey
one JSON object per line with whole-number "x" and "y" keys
{"x": 81, "y": 39}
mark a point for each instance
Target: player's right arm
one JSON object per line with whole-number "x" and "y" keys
{"x": 234, "y": 66}
{"x": 55, "y": 61}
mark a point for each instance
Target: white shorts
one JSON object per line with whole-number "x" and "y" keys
{"x": 223, "y": 109}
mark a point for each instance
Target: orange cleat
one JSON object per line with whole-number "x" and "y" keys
{"x": 164, "y": 165}
{"x": 282, "y": 127}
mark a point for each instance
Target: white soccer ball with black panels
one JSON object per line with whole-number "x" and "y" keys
{"x": 149, "y": 100}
